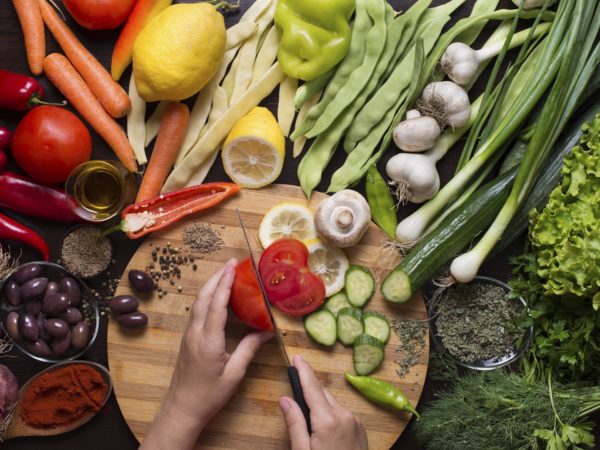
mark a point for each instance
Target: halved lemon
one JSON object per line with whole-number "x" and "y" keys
{"x": 254, "y": 151}
{"x": 287, "y": 220}
{"x": 330, "y": 263}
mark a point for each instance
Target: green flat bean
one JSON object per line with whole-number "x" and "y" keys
{"x": 375, "y": 44}
{"x": 310, "y": 88}
{"x": 381, "y": 202}
{"x": 399, "y": 79}
{"x": 353, "y": 59}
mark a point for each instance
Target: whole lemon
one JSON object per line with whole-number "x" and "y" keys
{"x": 178, "y": 52}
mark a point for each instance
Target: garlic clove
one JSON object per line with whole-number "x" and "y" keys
{"x": 416, "y": 135}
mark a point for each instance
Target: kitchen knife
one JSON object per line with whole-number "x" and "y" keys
{"x": 292, "y": 371}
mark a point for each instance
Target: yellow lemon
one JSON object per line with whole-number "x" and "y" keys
{"x": 254, "y": 152}
{"x": 178, "y": 52}
{"x": 330, "y": 263}
{"x": 287, "y": 220}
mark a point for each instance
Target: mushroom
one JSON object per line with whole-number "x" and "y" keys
{"x": 342, "y": 219}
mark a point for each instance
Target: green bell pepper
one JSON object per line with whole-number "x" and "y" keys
{"x": 315, "y": 35}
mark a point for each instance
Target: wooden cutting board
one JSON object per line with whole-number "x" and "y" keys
{"x": 141, "y": 363}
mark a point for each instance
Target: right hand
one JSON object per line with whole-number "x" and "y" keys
{"x": 333, "y": 426}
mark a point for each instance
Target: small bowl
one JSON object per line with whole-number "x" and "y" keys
{"x": 112, "y": 249}
{"x": 511, "y": 356}
{"x": 55, "y": 272}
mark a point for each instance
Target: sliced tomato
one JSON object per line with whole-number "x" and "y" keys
{"x": 290, "y": 285}
{"x": 247, "y": 301}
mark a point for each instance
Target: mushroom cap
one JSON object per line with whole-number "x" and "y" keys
{"x": 342, "y": 219}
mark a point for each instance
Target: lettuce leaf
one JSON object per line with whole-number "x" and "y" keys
{"x": 565, "y": 236}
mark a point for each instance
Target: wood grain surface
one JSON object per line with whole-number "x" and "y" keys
{"x": 141, "y": 363}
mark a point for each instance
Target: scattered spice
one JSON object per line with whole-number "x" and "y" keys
{"x": 411, "y": 334}
{"x": 85, "y": 252}
{"x": 477, "y": 321}
{"x": 63, "y": 396}
{"x": 202, "y": 238}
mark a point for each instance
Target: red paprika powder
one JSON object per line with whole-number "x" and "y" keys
{"x": 61, "y": 397}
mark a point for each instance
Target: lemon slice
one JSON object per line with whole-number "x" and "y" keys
{"x": 330, "y": 263}
{"x": 254, "y": 152}
{"x": 287, "y": 220}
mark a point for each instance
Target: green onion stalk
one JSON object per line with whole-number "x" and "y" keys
{"x": 578, "y": 57}
{"x": 542, "y": 75}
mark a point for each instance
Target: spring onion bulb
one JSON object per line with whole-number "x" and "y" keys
{"x": 447, "y": 102}
{"x": 417, "y": 133}
{"x": 529, "y": 4}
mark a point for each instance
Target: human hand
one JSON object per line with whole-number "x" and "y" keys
{"x": 205, "y": 376}
{"x": 333, "y": 426}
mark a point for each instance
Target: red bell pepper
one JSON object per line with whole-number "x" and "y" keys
{"x": 29, "y": 198}
{"x": 5, "y": 138}
{"x": 20, "y": 92}
{"x": 12, "y": 230}
{"x": 159, "y": 212}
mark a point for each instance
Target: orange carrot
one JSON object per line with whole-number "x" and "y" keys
{"x": 63, "y": 75}
{"x": 111, "y": 95}
{"x": 32, "y": 25}
{"x": 172, "y": 131}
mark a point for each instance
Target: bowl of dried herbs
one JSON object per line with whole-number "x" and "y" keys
{"x": 479, "y": 324}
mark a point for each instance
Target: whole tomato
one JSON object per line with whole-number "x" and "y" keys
{"x": 50, "y": 142}
{"x": 99, "y": 14}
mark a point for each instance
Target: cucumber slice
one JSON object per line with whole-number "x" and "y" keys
{"x": 321, "y": 326}
{"x": 368, "y": 354}
{"x": 376, "y": 325}
{"x": 336, "y": 302}
{"x": 349, "y": 325}
{"x": 360, "y": 285}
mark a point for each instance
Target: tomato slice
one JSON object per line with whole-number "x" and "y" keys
{"x": 291, "y": 286}
{"x": 247, "y": 301}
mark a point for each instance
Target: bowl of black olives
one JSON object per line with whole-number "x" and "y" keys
{"x": 48, "y": 313}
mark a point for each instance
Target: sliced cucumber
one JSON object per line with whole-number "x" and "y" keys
{"x": 360, "y": 285}
{"x": 376, "y": 325}
{"x": 321, "y": 326}
{"x": 336, "y": 302}
{"x": 349, "y": 325}
{"x": 368, "y": 354}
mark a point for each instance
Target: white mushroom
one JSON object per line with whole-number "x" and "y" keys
{"x": 342, "y": 219}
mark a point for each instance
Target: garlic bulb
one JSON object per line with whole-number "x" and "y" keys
{"x": 447, "y": 102}
{"x": 342, "y": 219}
{"x": 416, "y": 175}
{"x": 529, "y": 4}
{"x": 461, "y": 63}
{"x": 417, "y": 133}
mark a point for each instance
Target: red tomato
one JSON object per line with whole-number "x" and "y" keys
{"x": 291, "y": 287}
{"x": 99, "y": 14}
{"x": 247, "y": 301}
{"x": 50, "y": 142}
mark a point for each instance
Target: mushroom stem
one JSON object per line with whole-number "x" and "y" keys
{"x": 343, "y": 216}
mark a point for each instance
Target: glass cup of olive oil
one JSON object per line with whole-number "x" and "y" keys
{"x": 101, "y": 189}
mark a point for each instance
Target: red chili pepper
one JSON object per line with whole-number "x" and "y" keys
{"x": 159, "y": 212}
{"x": 12, "y": 230}
{"x": 29, "y": 198}
{"x": 5, "y": 138}
{"x": 3, "y": 160}
{"x": 20, "y": 92}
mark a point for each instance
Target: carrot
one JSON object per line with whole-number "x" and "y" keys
{"x": 32, "y": 25}
{"x": 172, "y": 131}
{"x": 111, "y": 95}
{"x": 63, "y": 75}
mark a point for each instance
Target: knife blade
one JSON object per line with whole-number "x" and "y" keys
{"x": 293, "y": 375}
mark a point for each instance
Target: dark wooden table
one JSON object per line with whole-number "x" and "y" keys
{"x": 109, "y": 430}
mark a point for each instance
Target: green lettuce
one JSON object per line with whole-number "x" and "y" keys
{"x": 565, "y": 236}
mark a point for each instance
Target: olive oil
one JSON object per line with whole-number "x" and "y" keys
{"x": 101, "y": 189}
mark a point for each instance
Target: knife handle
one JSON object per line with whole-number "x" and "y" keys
{"x": 299, "y": 394}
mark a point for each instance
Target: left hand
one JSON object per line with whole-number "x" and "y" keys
{"x": 206, "y": 376}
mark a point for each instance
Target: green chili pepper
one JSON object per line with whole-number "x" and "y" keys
{"x": 315, "y": 35}
{"x": 381, "y": 202}
{"x": 382, "y": 393}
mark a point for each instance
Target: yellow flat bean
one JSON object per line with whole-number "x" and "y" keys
{"x": 301, "y": 141}
{"x": 285, "y": 105}
{"x": 219, "y": 106}
{"x": 267, "y": 54}
{"x": 183, "y": 175}
{"x": 239, "y": 33}
{"x": 153, "y": 124}
{"x": 136, "y": 125}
